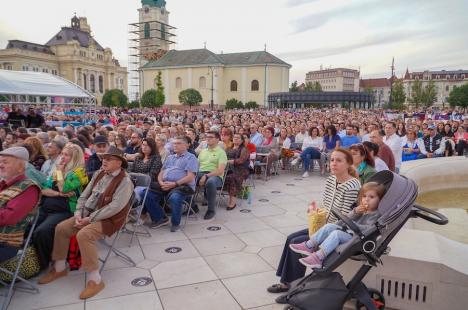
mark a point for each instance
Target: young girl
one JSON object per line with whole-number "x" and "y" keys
{"x": 330, "y": 236}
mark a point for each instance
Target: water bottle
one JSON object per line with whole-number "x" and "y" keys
{"x": 249, "y": 198}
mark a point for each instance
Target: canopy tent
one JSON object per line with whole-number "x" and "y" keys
{"x": 25, "y": 87}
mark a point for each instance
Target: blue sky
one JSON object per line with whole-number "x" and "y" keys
{"x": 365, "y": 34}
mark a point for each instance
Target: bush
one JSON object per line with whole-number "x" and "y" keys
{"x": 251, "y": 105}
{"x": 114, "y": 98}
{"x": 234, "y": 104}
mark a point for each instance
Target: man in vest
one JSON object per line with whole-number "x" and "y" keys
{"x": 18, "y": 199}
{"x": 101, "y": 210}
{"x": 434, "y": 144}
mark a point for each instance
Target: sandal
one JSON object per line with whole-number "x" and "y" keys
{"x": 231, "y": 208}
{"x": 277, "y": 288}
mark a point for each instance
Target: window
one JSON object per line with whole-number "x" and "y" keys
{"x": 255, "y": 86}
{"x": 147, "y": 30}
{"x": 202, "y": 82}
{"x": 85, "y": 81}
{"x": 25, "y": 68}
{"x": 462, "y": 76}
{"x": 45, "y": 70}
{"x": 178, "y": 82}
{"x": 233, "y": 85}
{"x": 92, "y": 85}
{"x": 101, "y": 84}
{"x": 447, "y": 88}
{"x": 54, "y": 72}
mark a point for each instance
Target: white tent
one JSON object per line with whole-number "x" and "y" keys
{"x": 25, "y": 87}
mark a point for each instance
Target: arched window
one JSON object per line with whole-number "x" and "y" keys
{"x": 85, "y": 81}
{"x": 147, "y": 30}
{"x": 254, "y": 86}
{"x": 233, "y": 85}
{"x": 92, "y": 86}
{"x": 202, "y": 82}
{"x": 178, "y": 82}
{"x": 101, "y": 84}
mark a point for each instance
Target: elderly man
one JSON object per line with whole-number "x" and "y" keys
{"x": 212, "y": 161}
{"x": 176, "y": 180}
{"x": 18, "y": 199}
{"x": 101, "y": 211}
{"x": 394, "y": 142}
{"x": 54, "y": 148}
{"x": 384, "y": 152}
{"x": 255, "y": 137}
{"x": 433, "y": 144}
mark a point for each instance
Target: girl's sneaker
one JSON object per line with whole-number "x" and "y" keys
{"x": 311, "y": 261}
{"x": 301, "y": 248}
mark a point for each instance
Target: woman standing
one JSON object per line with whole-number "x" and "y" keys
{"x": 60, "y": 195}
{"x": 341, "y": 192}
{"x": 238, "y": 159}
{"x": 38, "y": 156}
{"x": 363, "y": 162}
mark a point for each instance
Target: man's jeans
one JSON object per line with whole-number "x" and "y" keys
{"x": 211, "y": 186}
{"x": 174, "y": 201}
{"x": 329, "y": 237}
{"x": 308, "y": 155}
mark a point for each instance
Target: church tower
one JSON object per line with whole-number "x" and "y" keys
{"x": 154, "y": 29}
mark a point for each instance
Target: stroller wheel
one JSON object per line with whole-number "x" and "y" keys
{"x": 377, "y": 299}
{"x": 288, "y": 307}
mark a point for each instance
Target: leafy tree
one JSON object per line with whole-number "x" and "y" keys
{"x": 294, "y": 87}
{"x": 160, "y": 89}
{"x": 458, "y": 97}
{"x": 398, "y": 96}
{"x": 3, "y": 98}
{"x": 134, "y": 104}
{"x": 429, "y": 94}
{"x": 416, "y": 93}
{"x": 190, "y": 97}
{"x": 234, "y": 104}
{"x": 152, "y": 99}
{"x": 313, "y": 87}
{"x": 251, "y": 105}
{"x": 114, "y": 98}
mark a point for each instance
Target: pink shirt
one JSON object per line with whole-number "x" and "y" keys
{"x": 457, "y": 136}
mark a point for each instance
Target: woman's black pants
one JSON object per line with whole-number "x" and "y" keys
{"x": 289, "y": 268}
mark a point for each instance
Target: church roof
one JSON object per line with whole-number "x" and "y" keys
{"x": 154, "y": 3}
{"x": 199, "y": 57}
{"x": 67, "y": 34}
{"x": 29, "y": 46}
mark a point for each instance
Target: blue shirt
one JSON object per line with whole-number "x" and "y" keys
{"x": 176, "y": 167}
{"x": 347, "y": 141}
{"x": 331, "y": 142}
{"x": 256, "y": 139}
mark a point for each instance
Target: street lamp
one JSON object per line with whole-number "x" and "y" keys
{"x": 212, "y": 87}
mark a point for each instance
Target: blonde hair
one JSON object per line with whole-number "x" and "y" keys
{"x": 378, "y": 188}
{"x": 77, "y": 158}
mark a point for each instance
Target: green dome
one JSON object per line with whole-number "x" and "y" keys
{"x": 154, "y": 3}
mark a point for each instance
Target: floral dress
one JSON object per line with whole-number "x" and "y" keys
{"x": 239, "y": 171}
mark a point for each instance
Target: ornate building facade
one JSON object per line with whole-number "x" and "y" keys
{"x": 73, "y": 54}
{"x": 336, "y": 79}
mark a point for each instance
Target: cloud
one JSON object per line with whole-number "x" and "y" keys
{"x": 292, "y": 3}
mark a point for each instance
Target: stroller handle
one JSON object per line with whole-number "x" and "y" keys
{"x": 430, "y": 215}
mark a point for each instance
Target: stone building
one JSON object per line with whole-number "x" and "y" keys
{"x": 73, "y": 54}
{"x": 336, "y": 79}
{"x": 380, "y": 89}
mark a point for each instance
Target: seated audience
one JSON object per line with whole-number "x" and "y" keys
{"x": 37, "y": 156}
{"x": 93, "y": 164}
{"x": 433, "y": 144}
{"x": 363, "y": 162}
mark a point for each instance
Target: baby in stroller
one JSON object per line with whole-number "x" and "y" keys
{"x": 330, "y": 236}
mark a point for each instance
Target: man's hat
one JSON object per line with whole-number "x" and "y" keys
{"x": 113, "y": 151}
{"x": 100, "y": 140}
{"x": 16, "y": 151}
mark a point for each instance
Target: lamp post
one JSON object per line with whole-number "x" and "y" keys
{"x": 212, "y": 87}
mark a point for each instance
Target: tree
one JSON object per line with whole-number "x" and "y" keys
{"x": 190, "y": 97}
{"x": 134, "y": 104}
{"x": 398, "y": 95}
{"x": 458, "y": 97}
{"x": 234, "y": 104}
{"x": 313, "y": 87}
{"x": 114, "y": 98}
{"x": 251, "y": 105}
{"x": 294, "y": 87}
{"x": 160, "y": 89}
{"x": 416, "y": 93}
{"x": 3, "y": 98}
{"x": 429, "y": 94}
{"x": 152, "y": 99}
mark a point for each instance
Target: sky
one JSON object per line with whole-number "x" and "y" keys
{"x": 308, "y": 34}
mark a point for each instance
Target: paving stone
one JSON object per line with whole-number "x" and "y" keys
{"x": 140, "y": 301}
{"x": 218, "y": 245}
{"x": 263, "y": 238}
{"x": 157, "y": 251}
{"x": 236, "y": 264}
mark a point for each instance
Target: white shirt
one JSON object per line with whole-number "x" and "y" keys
{"x": 380, "y": 165}
{"x": 316, "y": 142}
{"x": 394, "y": 143}
{"x": 300, "y": 137}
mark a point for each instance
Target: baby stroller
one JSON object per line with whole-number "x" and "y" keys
{"x": 324, "y": 288}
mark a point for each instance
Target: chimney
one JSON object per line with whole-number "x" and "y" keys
{"x": 84, "y": 25}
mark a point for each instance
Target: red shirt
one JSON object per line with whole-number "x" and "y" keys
{"x": 17, "y": 208}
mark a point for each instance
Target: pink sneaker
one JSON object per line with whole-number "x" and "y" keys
{"x": 311, "y": 261}
{"x": 301, "y": 248}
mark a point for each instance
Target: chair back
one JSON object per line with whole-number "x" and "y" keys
{"x": 140, "y": 179}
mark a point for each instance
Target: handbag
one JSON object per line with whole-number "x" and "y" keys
{"x": 316, "y": 219}
{"x": 29, "y": 268}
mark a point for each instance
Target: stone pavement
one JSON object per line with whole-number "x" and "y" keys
{"x": 226, "y": 263}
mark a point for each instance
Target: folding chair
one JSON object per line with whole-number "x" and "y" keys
{"x": 186, "y": 204}
{"x": 220, "y": 189}
{"x": 142, "y": 180}
{"x": 263, "y": 165}
{"x": 21, "y": 253}
{"x": 111, "y": 246}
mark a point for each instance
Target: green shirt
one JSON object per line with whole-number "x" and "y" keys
{"x": 210, "y": 159}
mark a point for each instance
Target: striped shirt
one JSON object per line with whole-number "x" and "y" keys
{"x": 340, "y": 196}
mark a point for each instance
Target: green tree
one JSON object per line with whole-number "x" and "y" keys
{"x": 398, "y": 95}
{"x": 190, "y": 97}
{"x": 313, "y": 87}
{"x": 160, "y": 89}
{"x": 416, "y": 93}
{"x": 134, "y": 104}
{"x": 114, "y": 98}
{"x": 3, "y": 98}
{"x": 234, "y": 104}
{"x": 251, "y": 105}
{"x": 458, "y": 97}
{"x": 294, "y": 87}
{"x": 152, "y": 99}
{"x": 429, "y": 94}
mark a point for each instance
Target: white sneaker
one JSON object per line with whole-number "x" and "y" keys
{"x": 305, "y": 175}
{"x": 294, "y": 161}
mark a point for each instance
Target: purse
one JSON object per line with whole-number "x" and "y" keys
{"x": 316, "y": 219}
{"x": 29, "y": 268}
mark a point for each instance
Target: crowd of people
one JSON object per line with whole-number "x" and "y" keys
{"x": 76, "y": 178}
